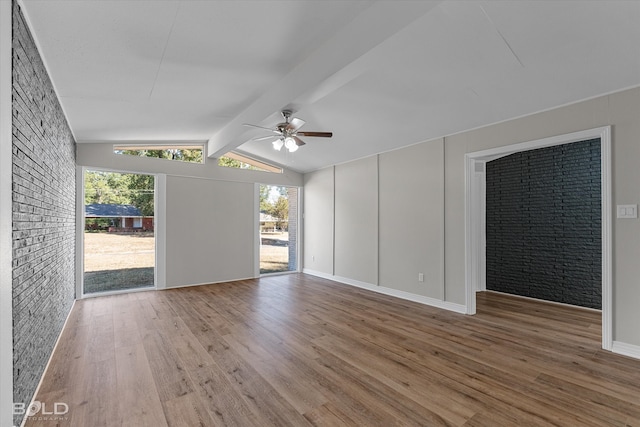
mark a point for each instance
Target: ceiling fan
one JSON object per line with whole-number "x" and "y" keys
{"x": 287, "y": 133}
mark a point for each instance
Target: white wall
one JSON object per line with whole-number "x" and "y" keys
{"x": 318, "y": 208}
{"x": 210, "y": 231}
{"x": 381, "y": 219}
{"x": 412, "y": 219}
{"x": 397, "y": 268}
{"x": 356, "y": 220}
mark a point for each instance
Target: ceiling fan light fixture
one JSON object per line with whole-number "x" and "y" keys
{"x": 290, "y": 143}
{"x": 288, "y": 133}
{"x": 277, "y": 144}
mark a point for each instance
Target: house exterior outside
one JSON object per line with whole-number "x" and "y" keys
{"x": 116, "y": 218}
{"x": 271, "y": 224}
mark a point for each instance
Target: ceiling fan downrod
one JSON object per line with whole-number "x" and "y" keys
{"x": 286, "y": 115}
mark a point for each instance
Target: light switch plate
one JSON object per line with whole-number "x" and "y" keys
{"x": 627, "y": 211}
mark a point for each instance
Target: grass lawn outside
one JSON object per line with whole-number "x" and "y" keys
{"x": 120, "y": 261}
{"x": 274, "y": 252}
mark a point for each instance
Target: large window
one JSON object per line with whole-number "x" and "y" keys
{"x": 239, "y": 161}
{"x": 119, "y": 235}
{"x": 183, "y": 153}
{"x": 278, "y": 229}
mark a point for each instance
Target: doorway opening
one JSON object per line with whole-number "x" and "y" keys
{"x": 543, "y": 227}
{"x": 475, "y": 216}
{"x": 278, "y": 229}
{"x": 119, "y": 232}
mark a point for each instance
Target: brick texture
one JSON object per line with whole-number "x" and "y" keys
{"x": 543, "y": 224}
{"x": 293, "y": 228}
{"x": 43, "y": 214}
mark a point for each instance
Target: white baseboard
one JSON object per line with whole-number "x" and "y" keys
{"x": 433, "y": 302}
{"x": 188, "y": 285}
{"x": 318, "y": 273}
{"x": 626, "y": 349}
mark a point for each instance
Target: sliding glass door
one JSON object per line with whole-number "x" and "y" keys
{"x": 278, "y": 229}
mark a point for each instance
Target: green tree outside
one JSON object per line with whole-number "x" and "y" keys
{"x": 228, "y": 162}
{"x": 278, "y": 208}
{"x": 184, "y": 155}
{"x": 280, "y": 211}
{"x": 141, "y": 193}
{"x": 120, "y": 189}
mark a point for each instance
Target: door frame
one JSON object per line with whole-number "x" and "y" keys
{"x": 475, "y": 212}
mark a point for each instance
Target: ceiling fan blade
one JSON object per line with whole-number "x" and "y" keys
{"x": 295, "y": 124}
{"x": 260, "y": 127}
{"x": 262, "y": 138}
{"x": 316, "y": 134}
{"x": 299, "y": 142}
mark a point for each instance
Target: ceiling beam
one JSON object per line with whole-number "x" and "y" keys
{"x": 332, "y": 65}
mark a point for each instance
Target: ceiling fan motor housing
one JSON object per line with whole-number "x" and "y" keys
{"x": 286, "y": 114}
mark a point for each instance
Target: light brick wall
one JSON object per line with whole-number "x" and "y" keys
{"x": 293, "y": 228}
{"x": 44, "y": 191}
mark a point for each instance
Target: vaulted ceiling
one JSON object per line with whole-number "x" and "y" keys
{"x": 378, "y": 74}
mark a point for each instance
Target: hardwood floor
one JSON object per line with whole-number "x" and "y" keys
{"x": 297, "y": 350}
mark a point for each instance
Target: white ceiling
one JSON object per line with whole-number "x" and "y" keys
{"x": 379, "y": 74}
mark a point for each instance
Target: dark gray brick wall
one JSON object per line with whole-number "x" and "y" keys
{"x": 543, "y": 224}
{"x": 43, "y": 214}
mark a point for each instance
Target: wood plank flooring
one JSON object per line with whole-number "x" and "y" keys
{"x": 296, "y": 350}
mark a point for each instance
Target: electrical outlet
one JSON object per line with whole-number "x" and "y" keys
{"x": 420, "y": 277}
